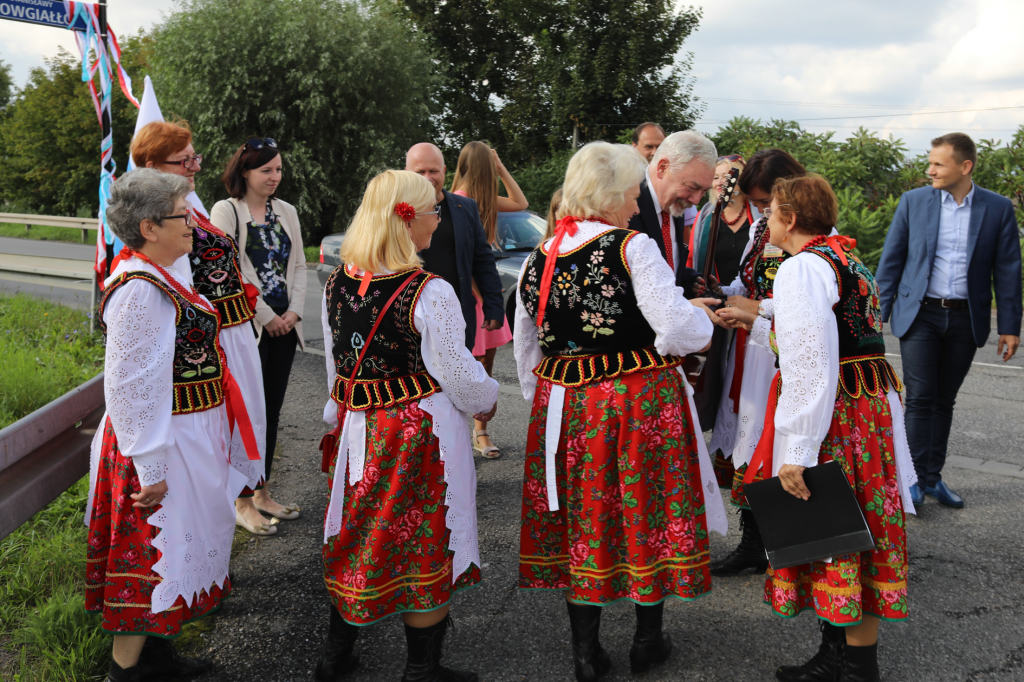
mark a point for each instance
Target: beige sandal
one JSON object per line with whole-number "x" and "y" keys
{"x": 290, "y": 513}
{"x": 487, "y": 451}
{"x": 262, "y": 529}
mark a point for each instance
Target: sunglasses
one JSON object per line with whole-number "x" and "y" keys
{"x": 259, "y": 143}
{"x": 731, "y": 158}
{"x": 436, "y": 211}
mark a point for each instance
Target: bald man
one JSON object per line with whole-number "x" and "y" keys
{"x": 459, "y": 252}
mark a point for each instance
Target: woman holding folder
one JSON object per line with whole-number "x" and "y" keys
{"x": 835, "y": 399}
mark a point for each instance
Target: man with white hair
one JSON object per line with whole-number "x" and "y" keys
{"x": 679, "y": 174}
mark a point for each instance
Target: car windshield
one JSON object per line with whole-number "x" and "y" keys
{"x": 520, "y": 231}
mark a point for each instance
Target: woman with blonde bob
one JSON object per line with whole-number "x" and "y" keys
{"x": 617, "y": 479}
{"x": 400, "y": 531}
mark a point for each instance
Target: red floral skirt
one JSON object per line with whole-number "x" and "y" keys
{"x": 630, "y": 523}
{"x": 874, "y": 582}
{"x": 392, "y": 555}
{"x": 119, "y": 579}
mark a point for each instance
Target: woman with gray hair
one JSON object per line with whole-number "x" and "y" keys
{"x": 617, "y": 479}
{"x": 160, "y": 513}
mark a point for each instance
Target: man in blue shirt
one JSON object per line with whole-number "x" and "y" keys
{"x": 949, "y": 247}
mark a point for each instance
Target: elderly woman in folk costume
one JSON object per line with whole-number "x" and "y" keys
{"x": 214, "y": 268}
{"x": 835, "y": 398}
{"x": 160, "y": 513}
{"x": 400, "y": 532}
{"x": 617, "y": 476}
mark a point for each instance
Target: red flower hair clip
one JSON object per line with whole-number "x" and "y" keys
{"x": 405, "y": 211}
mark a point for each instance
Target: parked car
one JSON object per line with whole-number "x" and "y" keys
{"x": 518, "y": 235}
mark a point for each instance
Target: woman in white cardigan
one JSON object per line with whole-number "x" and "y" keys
{"x": 270, "y": 245}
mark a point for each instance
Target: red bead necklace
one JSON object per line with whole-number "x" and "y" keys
{"x": 192, "y": 296}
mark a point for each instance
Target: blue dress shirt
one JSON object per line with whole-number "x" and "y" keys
{"x": 949, "y": 269}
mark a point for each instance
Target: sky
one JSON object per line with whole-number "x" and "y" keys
{"x": 882, "y": 64}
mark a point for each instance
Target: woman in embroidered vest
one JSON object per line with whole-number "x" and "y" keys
{"x": 616, "y": 480}
{"x": 214, "y": 268}
{"x": 476, "y": 177}
{"x": 160, "y": 516}
{"x": 752, "y": 367}
{"x": 838, "y": 401}
{"x": 400, "y": 530}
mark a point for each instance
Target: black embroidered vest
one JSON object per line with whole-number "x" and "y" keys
{"x": 392, "y": 371}
{"x": 218, "y": 277}
{"x": 593, "y": 327}
{"x": 761, "y": 265}
{"x": 198, "y": 361}
{"x": 863, "y": 368}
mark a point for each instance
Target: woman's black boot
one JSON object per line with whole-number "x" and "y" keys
{"x": 589, "y": 660}
{"x": 825, "y": 665}
{"x": 424, "y": 659}
{"x": 650, "y": 645}
{"x": 165, "y": 663}
{"x": 749, "y": 553}
{"x": 859, "y": 664}
{"x": 337, "y": 657}
{"x": 136, "y": 673}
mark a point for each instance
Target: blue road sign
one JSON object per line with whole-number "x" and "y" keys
{"x": 45, "y": 12}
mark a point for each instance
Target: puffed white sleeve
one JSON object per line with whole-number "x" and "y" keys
{"x": 736, "y": 288}
{"x": 138, "y": 379}
{"x": 524, "y": 343}
{"x": 759, "y": 334}
{"x": 680, "y": 327}
{"x": 808, "y": 341}
{"x": 331, "y": 408}
{"x": 438, "y": 319}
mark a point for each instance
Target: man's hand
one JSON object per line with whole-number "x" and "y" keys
{"x": 743, "y": 303}
{"x": 150, "y": 495}
{"x": 491, "y": 326}
{"x": 1011, "y": 346}
{"x": 486, "y": 416}
{"x": 792, "y": 478}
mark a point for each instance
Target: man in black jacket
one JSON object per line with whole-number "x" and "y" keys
{"x": 459, "y": 252}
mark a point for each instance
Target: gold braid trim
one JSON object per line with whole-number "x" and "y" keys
{"x": 234, "y": 309}
{"x": 380, "y": 393}
{"x": 572, "y": 372}
{"x": 668, "y": 564}
{"x": 867, "y": 375}
{"x": 198, "y": 396}
{"x": 411, "y": 580}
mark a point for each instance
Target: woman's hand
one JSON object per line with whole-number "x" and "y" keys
{"x": 792, "y": 478}
{"x": 486, "y": 416}
{"x": 277, "y": 326}
{"x": 290, "y": 319}
{"x": 744, "y": 303}
{"x": 737, "y": 317}
{"x": 502, "y": 171}
{"x": 705, "y": 305}
{"x": 150, "y": 495}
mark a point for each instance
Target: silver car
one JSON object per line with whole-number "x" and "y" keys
{"x": 518, "y": 235}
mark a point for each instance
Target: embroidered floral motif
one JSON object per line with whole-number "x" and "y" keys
{"x": 217, "y": 275}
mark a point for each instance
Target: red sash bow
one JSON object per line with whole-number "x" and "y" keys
{"x": 838, "y": 243}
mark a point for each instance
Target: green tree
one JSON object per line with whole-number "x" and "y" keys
{"x": 6, "y": 84}
{"x": 343, "y": 87}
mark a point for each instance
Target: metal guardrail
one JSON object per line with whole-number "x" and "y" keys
{"x": 28, "y": 220}
{"x": 44, "y": 453}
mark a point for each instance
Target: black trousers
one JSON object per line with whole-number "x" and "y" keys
{"x": 276, "y": 356}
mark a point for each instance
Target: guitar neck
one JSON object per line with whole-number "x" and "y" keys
{"x": 713, "y": 228}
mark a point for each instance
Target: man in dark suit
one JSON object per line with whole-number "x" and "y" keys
{"x": 949, "y": 247}
{"x": 459, "y": 251}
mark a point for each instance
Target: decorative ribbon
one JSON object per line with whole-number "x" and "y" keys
{"x": 565, "y": 226}
{"x": 237, "y": 412}
{"x": 737, "y": 372}
{"x": 764, "y": 453}
{"x": 837, "y": 242}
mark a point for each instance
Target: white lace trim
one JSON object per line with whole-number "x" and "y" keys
{"x": 552, "y": 434}
{"x": 714, "y": 507}
{"x": 724, "y": 436}
{"x": 906, "y": 475}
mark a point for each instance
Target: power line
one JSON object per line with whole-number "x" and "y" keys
{"x": 913, "y": 113}
{"x": 822, "y": 104}
{"x": 904, "y": 129}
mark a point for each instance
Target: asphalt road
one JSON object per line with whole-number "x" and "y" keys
{"x": 965, "y": 583}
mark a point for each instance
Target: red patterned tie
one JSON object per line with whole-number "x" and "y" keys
{"x": 666, "y": 233}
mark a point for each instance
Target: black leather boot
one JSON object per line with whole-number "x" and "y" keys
{"x": 589, "y": 660}
{"x": 337, "y": 658}
{"x": 136, "y": 673}
{"x": 650, "y": 645}
{"x": 825, "y": 665}
{"x": 424, "y": 659}
{"x": 859, "y": 664}
{"x": 165, "y": 663}
{"x": 749, "y": 553}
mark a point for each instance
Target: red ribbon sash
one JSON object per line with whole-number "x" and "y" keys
{"x": 237, "y": 412}
{"x": 737, "y": 372}
{"x": 765, "y": 452}
{"x": 565, "y": 226}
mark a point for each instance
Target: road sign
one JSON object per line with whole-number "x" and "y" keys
{"x": 44, "y": 12}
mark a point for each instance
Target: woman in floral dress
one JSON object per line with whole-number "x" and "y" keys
{"x": 836, "y": 398}
{"x": 400, "y": 530}
{"x": 619, "y": 492}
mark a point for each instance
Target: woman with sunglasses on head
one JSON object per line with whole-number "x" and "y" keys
{"x": 400, "y": 530}
{"x": 214, "y": 265}
{"x": 270, "y": 248}
{"x": 476, "y": 177}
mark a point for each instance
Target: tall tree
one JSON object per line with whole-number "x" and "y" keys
{"x": 6, "y": 84}
{"x": 341, "y": 86}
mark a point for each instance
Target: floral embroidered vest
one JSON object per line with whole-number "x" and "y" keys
{"x": 392, "y": 371}
{"x": 198, "y": 360}
{"x": 761, "y": 265}
{"x": 863, "y": 368}
{"x": 593, "y": 326}
{"x": 218, "y": 277}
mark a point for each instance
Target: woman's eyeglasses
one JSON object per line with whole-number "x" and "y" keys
{"x": 188, "y": 163}
{"x": 767, "y": 213}
{"x": 187, "y": 215}
{"x": 259, "y": 143}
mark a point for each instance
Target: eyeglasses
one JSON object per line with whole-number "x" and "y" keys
{"x": 731, "y": 157}
{"x": 767, "y": 213}
{"x": 189, "y": 220}
{"x": 258, "y": 143}
{"x": 188, "y": 163}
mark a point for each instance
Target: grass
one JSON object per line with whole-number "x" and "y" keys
{"x": 312, "y": 254}
{"x": 46, "y": 233}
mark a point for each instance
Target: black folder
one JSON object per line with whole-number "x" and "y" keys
{"x": 796, "y": 531}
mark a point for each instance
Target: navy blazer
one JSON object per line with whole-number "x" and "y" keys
{"x": 993, "y": 259}
{"x": 647, "y": 222}
{"x": 474, "y": 260}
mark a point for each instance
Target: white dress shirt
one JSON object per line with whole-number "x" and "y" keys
{"x": 949, "y": 270}
{"x": 688, "y": 217}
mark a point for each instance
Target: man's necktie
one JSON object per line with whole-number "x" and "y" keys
{"x": 666, "y": 233}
